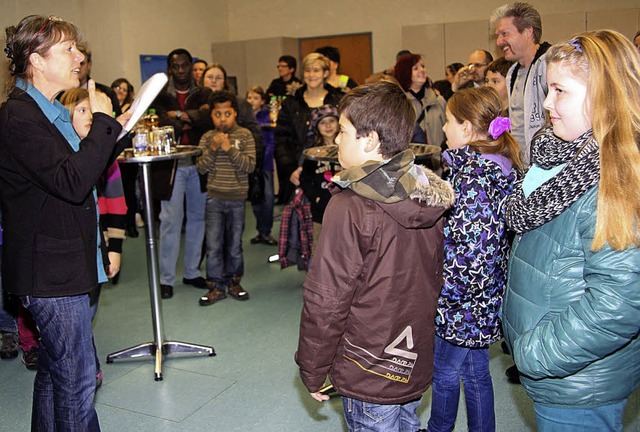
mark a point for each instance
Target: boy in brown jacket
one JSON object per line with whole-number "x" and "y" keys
{"x": 370, "y": 296}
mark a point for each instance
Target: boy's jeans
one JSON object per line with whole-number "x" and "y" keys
{"x": 365, "y": 416}
{"x": 225, "y": 224}
{"x": 452, "y": 363}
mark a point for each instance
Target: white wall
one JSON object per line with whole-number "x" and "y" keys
{"x": 254, "y": 19}
{"x": 118, "y": 31}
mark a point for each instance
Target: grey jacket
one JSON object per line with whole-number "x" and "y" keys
{"x": 535, "y": 91}
{"x": 434, "y": 118}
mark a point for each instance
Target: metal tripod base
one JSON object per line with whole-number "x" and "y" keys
{"x": 159, "y": 347}
{"x": 149, "y": 349}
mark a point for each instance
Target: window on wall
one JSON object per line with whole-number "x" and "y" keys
{"x": 152, "y": 64}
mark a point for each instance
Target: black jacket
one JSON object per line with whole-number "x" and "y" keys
{"x": 200, "y": 118}
{"x": 48, "y": 209}
{"x": 293, "y": 124}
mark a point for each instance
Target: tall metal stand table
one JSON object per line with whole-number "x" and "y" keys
{"x": 159, "y": 347}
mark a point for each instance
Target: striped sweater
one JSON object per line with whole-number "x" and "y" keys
{"x": 228, "y": 172}
{"x": 113, "y": 208}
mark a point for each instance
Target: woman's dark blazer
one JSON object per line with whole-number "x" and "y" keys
{"x": 48, "y": 208}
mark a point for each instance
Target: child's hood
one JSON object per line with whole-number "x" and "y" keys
{"x": 428, "y": 201}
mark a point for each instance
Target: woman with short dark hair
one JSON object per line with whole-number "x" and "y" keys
{"x": 53, "y": 257}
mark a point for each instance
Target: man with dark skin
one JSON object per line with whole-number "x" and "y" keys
{"x": 179, "y": 105}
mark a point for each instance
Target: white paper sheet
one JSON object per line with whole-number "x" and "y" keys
{"x": 144, "y": 97}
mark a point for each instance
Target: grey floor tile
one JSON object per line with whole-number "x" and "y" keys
{"x": 252, "y": 383}
{"x": 175, "y": 398}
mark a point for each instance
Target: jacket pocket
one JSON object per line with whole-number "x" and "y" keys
{"x": 59, "y": 265}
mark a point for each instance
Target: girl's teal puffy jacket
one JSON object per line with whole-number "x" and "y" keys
{"x": 572, "y": 316}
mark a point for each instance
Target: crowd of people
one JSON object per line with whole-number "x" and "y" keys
{"x": 530, "y": 235}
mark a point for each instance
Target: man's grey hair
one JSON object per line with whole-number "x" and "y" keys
{"x": 524, "y": 16}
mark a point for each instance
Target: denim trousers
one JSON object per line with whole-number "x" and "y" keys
{"x": 365, "y": 416}
{"x": 8, "y": 321}
{"x": 186, "y": 185}
{"x": 452, "y": 363}
{"x": 8, "y": 313}
{"x": 550, "y": 418}
{"x": 264, "y": 210}
{"x": 65, "y": 383}
{"x": 225, "y": 224}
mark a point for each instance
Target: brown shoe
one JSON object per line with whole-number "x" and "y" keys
{"x": 212, "y": 296}
{"x": 269, "y": 240}
{"x": 236, "y": 291}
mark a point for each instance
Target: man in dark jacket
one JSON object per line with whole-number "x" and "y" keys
{"x": 180, "y": 105}
{"x": 287, "y": 82}
{"x": 370, "y": 296}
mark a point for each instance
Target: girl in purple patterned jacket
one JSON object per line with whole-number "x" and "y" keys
{"x": 484, "y": 161}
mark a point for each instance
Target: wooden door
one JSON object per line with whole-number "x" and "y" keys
{"x": 355, "y": 53}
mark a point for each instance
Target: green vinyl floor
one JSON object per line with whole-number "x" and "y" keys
{"x": 252, "y": 383}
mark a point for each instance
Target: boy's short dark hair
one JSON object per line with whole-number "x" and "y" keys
{"x": 382, "y": 107}
{"x": 222, "y": 96}
{"x": 500, "y": 66}
{"x": 290, "y": 61}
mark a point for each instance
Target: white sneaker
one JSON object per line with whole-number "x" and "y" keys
{"x": 139, "y": 221}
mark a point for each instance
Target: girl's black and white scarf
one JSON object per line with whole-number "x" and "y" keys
{"x": 550, "y": 199}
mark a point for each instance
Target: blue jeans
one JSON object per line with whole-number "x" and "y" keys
{"x": 186, "y": 184}
{"x": 264, "y": 211}
{"x": 365, "y": 416}
{"x": 8, "y": 323}
{"x": 65, "y": 383}
{"x": 551, "y": 418}
{"x": 452, "y": 363}
{"x": 225, "y": 224}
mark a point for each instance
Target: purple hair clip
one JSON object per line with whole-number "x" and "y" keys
{"x": 574, "y": 43}
{"x": 498, "y": 126}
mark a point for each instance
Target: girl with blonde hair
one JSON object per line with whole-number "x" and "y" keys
{"x": 571, "y": 311}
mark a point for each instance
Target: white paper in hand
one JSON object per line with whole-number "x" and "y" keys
{"x": 144, "y": 97}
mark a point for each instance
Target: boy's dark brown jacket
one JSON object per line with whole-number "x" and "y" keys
{"x": 371, "y": 294}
